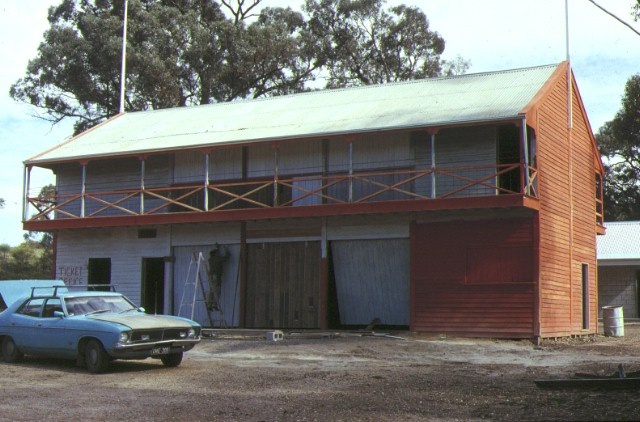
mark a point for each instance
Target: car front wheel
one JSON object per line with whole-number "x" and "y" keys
{"x": 95, "y": 357}
{"x": 10, "y": 352}
{"x": 171, "y": 360}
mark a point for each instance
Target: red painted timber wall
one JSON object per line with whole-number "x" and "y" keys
{"x": 567, "y": 215}
{"x": 474, "y": 277}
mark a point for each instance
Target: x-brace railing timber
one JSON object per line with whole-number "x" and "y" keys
{"x": 291, "y": 191}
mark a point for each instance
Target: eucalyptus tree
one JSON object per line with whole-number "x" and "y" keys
{"x": 362, "y": 43}
{"x": 191, "y": 52}
{"x": 179, "y": 53}
{"x": 619, "y": 143}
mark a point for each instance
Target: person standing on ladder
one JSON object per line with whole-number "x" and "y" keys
{"x": 217, "y": 258}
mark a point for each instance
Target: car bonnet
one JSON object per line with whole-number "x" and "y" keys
{"x": 143, "y": 322}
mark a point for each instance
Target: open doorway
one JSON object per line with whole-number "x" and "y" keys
{"x": 508, "y": 149}
{"x": 152, "y": 294}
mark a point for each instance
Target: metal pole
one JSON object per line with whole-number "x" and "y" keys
{"x": 569, "y": 87}
{"x": 26, "y": 181}
{"x": 525, "y": 156}
{"x": 124, "y": 56}
{"x": 142, "y": 175}
{"x": 206, "y": 181}
{"x": 350, "y": 171}
{"x": 276, "y": 176}
{"x": 84, "y": 188}
{"x": 433, "y": 166}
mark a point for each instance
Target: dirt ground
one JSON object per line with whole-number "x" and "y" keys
{"x": 338, "y": 377}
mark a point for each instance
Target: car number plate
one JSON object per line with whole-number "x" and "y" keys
{"x": 160, "y": 351}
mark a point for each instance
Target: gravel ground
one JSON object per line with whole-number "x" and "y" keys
{"x": 335, "y": 377}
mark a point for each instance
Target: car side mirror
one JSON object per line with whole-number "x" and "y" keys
{"x": 58, "y": 314}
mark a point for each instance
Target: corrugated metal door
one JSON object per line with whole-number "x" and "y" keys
{"x": 372, "y": 280}
{"x": 184, "y": 277}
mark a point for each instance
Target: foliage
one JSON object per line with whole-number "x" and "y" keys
{"x": 619, "y": 142}
{"x": 189, "y": 52}
{"x": 1, "y": 203}
{"x": 32, "y": 259}
{"x": 362, "y": 44}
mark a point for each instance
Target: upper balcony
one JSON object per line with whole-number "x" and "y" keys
{"x": 456, "y": 168}
{"x": 349, "y": 193}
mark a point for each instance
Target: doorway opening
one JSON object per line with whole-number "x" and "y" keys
{"x": 585, "y": 297}
{"x": 509, "y": 153}
{"x": 152, "y": 294}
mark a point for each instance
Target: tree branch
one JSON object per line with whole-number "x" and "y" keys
{"x": 615, "y": 17}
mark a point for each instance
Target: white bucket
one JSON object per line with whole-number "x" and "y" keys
{"x": 613, "y": 320}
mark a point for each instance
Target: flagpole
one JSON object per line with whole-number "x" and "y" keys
{"x": 570, "y": 159}
{"x": 568, "y": 55}
{"x": 124, "y": 56}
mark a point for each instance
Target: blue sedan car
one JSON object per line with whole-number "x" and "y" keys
{"x": 92, "y": 327}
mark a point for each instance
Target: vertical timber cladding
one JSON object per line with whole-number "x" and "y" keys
{"x": 372, "y": 280}
{"x": 474, "y": 277}
{"x": 283, "y": 285}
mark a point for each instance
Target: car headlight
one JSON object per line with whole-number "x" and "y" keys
{"x": 188, "y": 334}
{"x": 124, "y": 337}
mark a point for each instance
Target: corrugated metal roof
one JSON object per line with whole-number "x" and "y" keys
{"x": 428, "y": 102}
{"x": 622, "y": 241}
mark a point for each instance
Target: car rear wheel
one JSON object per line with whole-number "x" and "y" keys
{"x": 10, "y": 352}
{"x": 95, "y": 357}
{"x": 171, "y": 360}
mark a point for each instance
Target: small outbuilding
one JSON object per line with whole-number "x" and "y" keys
{"x": 619, "y": 267}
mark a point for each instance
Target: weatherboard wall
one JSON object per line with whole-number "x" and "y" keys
{"x": 122, "y": 245}
{"x": 567, "y": 216}
{"x": 474, "y": 277}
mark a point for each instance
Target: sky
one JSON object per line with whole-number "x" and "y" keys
{"x": 491, "y": 34}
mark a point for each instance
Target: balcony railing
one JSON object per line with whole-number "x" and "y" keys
{"x": 318, "y": 190}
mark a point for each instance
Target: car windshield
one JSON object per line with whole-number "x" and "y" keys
{"x": 94, "y": 304}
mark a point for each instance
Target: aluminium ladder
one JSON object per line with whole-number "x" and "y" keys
{"x": 193, "y": 285}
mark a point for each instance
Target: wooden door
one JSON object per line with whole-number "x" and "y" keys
{"x": 283, "y": 282}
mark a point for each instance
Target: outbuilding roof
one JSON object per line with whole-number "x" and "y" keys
{"x": 621, "y": 243}
{"x": 422, "y": 103}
